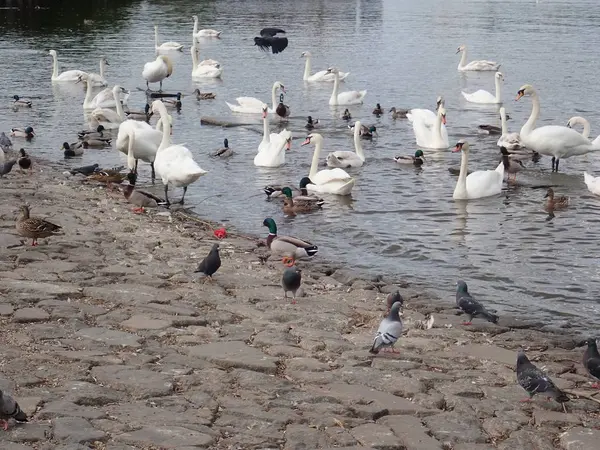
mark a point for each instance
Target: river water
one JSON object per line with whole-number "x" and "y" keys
{"x": 399, "y": 221}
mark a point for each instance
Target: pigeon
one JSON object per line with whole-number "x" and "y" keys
{"x": 471, "y": 306}
{"x": 393, "y": 298}
{"x": 534, "y": 381}
{"x": 389, "y": 330}
{"x": 291, "y": 281}
{"x": 268, "y": 39}
{"x": 211, "y": 263}
{"x": 86, "y": 170}
{"x": 591, "y": 360}
{"x": 9, "y": 408}
{"x": 5, "y": 142}
{"x": 6, "y": 167}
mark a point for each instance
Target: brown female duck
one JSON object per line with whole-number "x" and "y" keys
{"x": 300, "y": 203}
{"x": 34, "y": 227}
{"x": 555, "y": 202}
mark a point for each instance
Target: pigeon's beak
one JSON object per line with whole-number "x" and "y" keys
{"x": 582, "y": 343}
{"x": 546, "y": 195}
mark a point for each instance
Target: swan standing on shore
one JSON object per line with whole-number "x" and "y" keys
{"x": 428, "y": 133}
{"x": 326, "y": 181}
{"x": 174, "y": 163}
{"x": 510, "y": 141}
{"x": 551, "y": 140}
{"x": 578, "y": 120}
{"x": 481, "y": 183}
{"x": 165, "y": 46}
{"x": 322, "y": 75}
{"x": 252, "y": 105}
{"x": 346, "y": 158}
{"x": 482, "y": 96}
{"x": 204, "y": 33}
{"x": 156, "y": 71}
{"x": 481, "y": 65}
{"x": 344, "y": 98}
{"x": 206, "y": 69}
{"x": 68, "y": 76}
{"x": 271, "y": 150}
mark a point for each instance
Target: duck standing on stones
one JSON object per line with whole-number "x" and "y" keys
{"x": 534, "y": 381}
{"x": 389, "y": 331}
{"x": 34, "y": 227}
{"x": 290, "y": 247}
{"x": 470, "y": 306}
{"x": 10, "y": 409}
{"x": 141, "y": 199}
{"x": 591, "y": 360}
{"x": 5, "y": 142}
{"x": 24, "y": 160}
{"x": 291, "y": 281}
{"x": 209, "y": 265}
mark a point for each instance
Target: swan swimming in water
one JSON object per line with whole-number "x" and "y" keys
{"x": 481, "y": 65}
{"x": 166, "y": 46}
{"x": 484, "y": 97}
{"x": 205, "y": 69}
{"x": 272, "y": 148}
{"x": 429, "y": 127}
{"x": 578, "y": 120}
{"x": 343, "y": 98}
{"x": 478, "y": 184}
{"x": 322, "y": 75}
{"x": 204, "y": 33}
{"x": 68, "y": 76}
{"x": 346, "y": 158}
{"x": 510, "y": 141}
{"x": 252, "y": 105}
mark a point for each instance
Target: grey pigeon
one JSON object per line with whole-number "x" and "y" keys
{"x": 7, "y": 167}
{"x": 211, "y": 263}
{"x": 9, "y": 408}
{"x": 534, "y": 381}
{"x": 389, "y": 330}
{"x": 5, "y": 142}
{"x": 291, "y": 281}
{"x": 393, "y": 298}
{"x": 85, "y": 170}
{"x": 591, "y": 359}
{"x": 471, "y": 306}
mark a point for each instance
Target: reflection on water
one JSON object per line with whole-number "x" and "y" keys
{"x": 399, "y": 220}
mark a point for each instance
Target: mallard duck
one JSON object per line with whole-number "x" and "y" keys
{"x": 399, "y": 113}
{"x": 26, "y": 132}
{"x": 365, "y": 132}
{"x": 225, "y": 151}
{"x": 144, "y": 115}
{"x": 512, "y": 163}
{"x": 290, "y": 247}
{"x": 310, "y": 124}
{"x": 71, "y": 150}
{"x": 95, "y": 143}
{"x": 34, "y": 227}
{"x": 141, "y": 199}
{"x": 347, "y": 115}
{"x": 5, "y": 142}
{"x": 555, "y": 202}
{"x": 418, "y": 159}
{"x": 275, "y": 191}
{"x": 173, "y": 102}
{"x": 490, "y": 129}
{"x": 300, "y": 203}
{"x": 24, "y": 160}
{"x": 378, "y": 111}
{"x": 98, "y": 133}
{"x": 21, "y": 102}
{"x": 282, "y": 110}
{"x": 204, "y": 95}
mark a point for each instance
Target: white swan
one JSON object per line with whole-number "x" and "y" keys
{"x": 108, "y": 116}
{"x": 169, "y": 46}
{"x": 482, "y": 96}
{"x": 272, "y": 148}
{"x": 252, "y": 105}
{"x": 578, "y": 120}
{"x": 68, "y": 76}
{"x": 101, "y": 82}
{"x": 347, "y": 158}
{"x": 322, "y": 75}
{"x": 156, "y": 71}
{"x": 481, "y": 183}
{"x": 207, "y": 32}
{"x": 344, "y": 98}
{"x": 430, "y": 134}
{"x": 205, "y": 69}
{"x": 592, "y": 183}
{"x": 551, "y": 140}
{"x": 326, "y": 181}
{"x": 510, "y": 141}
{"x": 174, "y": 163}
{"x": 481, "y": 65}
{"x": 104, "y": 98}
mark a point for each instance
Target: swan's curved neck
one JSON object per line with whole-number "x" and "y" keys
{"x": 307, "y": 68}
{"x": 89, "y": 96}
{"x": 54, "y": 66}
{"x": 586, "y": 126}
{"x": 336, "y": 85}
{"x": 273, "y": 100}
{"x": 195, "y": 29}
{"x": 438, "y": 125}
{"x": 130, "y": 157}
{"x": 315, "y": 160}
{"x": 463, "y": 59}
{"x": 498, "y": 91}
{"x": 156, "y": 36}
{"x": 266, "y": 132}
{"x": 102, "y": 67}
{"x": 118, "y": 105}
{"x": 461, "y": 184}
{"x": 194, "y": 58}
{"x": 535, "y": 111}
{"x": 166, "y": 135}
{"x": 357, "y": 143}
{"x": 503, "y": 120}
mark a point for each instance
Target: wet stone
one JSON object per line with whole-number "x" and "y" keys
{"x": 26, "y": 315}
{"x": 77, "y": 430}
{"x": 235, "y": 354}
{"x": 110, "y": 337}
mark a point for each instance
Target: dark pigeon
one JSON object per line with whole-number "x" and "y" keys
{"x": 471, "y": 306}
{"x": 10, "y": 409}
{"x": 591, "y": 360}
{"x": 211, "y": 263}
{"x": 291, "y": 281}
{"x": 389, "y": 330}
{"x": 7, "y": 167}
{"x": 393, "y": 298}
{"x": 534, "y": 381}
{"x": 268, "y": 39}
{"x": 85, "y": 170}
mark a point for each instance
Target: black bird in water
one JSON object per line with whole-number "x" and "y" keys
{"x": 471, "y": 306}
{"x": 211, "y": 263}
{"x": 268, "y": 39}
{"x": 534, "y": 381}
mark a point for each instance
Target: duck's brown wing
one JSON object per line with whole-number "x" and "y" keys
{"x": 36, "y": 225}
{"x": 294, "y": 241}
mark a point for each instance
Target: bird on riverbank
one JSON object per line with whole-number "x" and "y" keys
{"x": 393, "y": 298}
{"x": 269, "y": 39}
{"x": 290, "y": 247}
{"x": 34, "y": 227}
{"x": 389, "y": 331}
{"x": 24, "y": 160}
{"x": 209, "y": 265}
{"x": 291, "y": 281}
{"x": 141, "y": 199}
{"x": 5, "y": 142}
{"x": 591, "y": 360}
{"x": 6, "y": 167}
{"x": 470, "y": 306}
{"x": 85, "y": 170}
{"x": 534, "y": 381}
{"x": 10, "y": 409}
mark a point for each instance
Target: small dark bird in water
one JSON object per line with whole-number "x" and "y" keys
{"x": 471, "y": 306}
{"x": 291, "y": 281}
{"x": 24, "y": 160}
{"x": 98, "y": 133}
{"x": 21, "y": 102}
{"x": 591, "y": 360}
{"x": 392, "y": 298}
{"x": 85, "y": 170}
{"x": 225, "y": 151}
{"x": 282, "y": 110}
{"x": 269, "y": 39}
{"x": 310, "y": 123}
{"x": 204, "y": 95}
{"x": 211, "y": 263}
{"x": 378, "y": 111}
{"x": 346, "y": 115}
{"x": 72, "y": 150}
{"x": 10, "y": 409}
{"x": 534, "y": 381}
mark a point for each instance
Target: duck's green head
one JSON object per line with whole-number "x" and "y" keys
{"x": 419, "y": 154}
{"x": 305, "y": 181}
{"x": 287, "y": 192}
{"x": 270, "y": 224}
{"x": 29, "y": 130}
{"x": 372, "y": 129}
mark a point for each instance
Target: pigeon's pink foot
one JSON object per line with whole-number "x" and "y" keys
{"x": 293, "y": 302}
{"x": 4, "y": 424}
{"x": 467, "y": 323}
{"x": 395, "y": 351}
{"x": 525, "y": 400}
{"x": 596, "y": 385}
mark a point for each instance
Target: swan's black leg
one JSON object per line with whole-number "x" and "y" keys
{"x": 183, "y": 197}
{"x": 153, "y": 172}
{"x": 135, "y": 169}
{"x": 553, "y": 160}
{"x": 160, "y": 89}
{"x": 167, "y": 195}
{"x": 147, "y": 85}
{"x": 557, "y": 161}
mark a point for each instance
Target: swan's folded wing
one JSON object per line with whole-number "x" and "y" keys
{"x": 425, "y": 115}
{"x": 327, "y": 176}
{"x": 250, "y": 102}
{"x": 485, "y": 182}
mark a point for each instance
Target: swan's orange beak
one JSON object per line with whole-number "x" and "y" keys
{"x": 264, "y": 114}
{"x": 306, "y": 141}
{"x": 288, "y": 144}
{"x": 444, "y": 119}
{"x": 458, "y": 148}
{"x": 519, "y": 95}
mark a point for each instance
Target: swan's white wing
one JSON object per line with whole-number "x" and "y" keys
{"x": 207, "y": 71}
{"x": 209, "y": 62}
{"x": 106, "y": 115}
{"x": 482, "y": 65}
{"x": 484, "y": 183}
{"x": 592, "y": 183}
{"x": 330, "y": 175}
{"x": 556, "y": 140}
{"x": 480, "y": 96}
{"x": 155, "y": 71}
{"x": 424, "y": 115}
{"x": 510, "y": 141}
{"x": 250, "y": 102}
{"x": 71, "y": 75}
{"x": 351, "y": 97}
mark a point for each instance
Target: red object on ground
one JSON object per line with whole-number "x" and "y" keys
{"x": 220, "y": 233}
